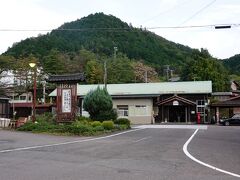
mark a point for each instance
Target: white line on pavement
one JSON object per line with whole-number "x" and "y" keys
{"x": 185, "y": 150}
{"x": 156, "y": 126}
{"x": 143, "y": 139}
{"x": 64, "y": 143}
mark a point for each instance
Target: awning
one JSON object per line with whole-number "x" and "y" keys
{"x": 175, "y": 99}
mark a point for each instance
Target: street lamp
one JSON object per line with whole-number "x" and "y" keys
{"x": 32, "y": 65}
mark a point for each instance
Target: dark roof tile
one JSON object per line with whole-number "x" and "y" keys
{"x": 78, "y": 77}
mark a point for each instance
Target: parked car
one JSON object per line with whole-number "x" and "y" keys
{"x": 235, "y": 120}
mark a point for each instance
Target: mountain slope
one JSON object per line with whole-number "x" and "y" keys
{"x": 233, "y": 64}
{"x": 100, "y": 33}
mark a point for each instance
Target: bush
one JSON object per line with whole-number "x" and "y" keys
{"x": 123, "y": 121}
{"x": 123, "y": 127}
{"x": 108, "y": 125}
{"x": 99, "y": 128}
{"x": 80, "y": 129}
{"x": 29, "y": 126}
{"x": 40, "y": 126}
{"x": 46, "y": 117}
{"x": 83, "y": 118}
{"x": 96, "y": 123}
{"x": 98, "y": 103}
{"x": 106, "y": 115}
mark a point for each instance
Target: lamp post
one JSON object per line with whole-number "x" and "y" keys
{"x": 32, "y": 65}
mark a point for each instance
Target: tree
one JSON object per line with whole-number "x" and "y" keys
{"x": 6, "y": 64}
{"x": 54, "y": 63}
{"x": 203, "y": 67}
{"x": 99, "y": 105}
{"x": 143, "y": 72}
{"x": 94, "y": 72}
{"x": 120, "y": 70}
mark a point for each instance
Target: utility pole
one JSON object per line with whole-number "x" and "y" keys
{"x": 167, "y": 71}
{"x": 105, "y": 74}
{"x": 44, "y": 91}
{"x": 115, "y": 52}
{"x": 146, "y": 76}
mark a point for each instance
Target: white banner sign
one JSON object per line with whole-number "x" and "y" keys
{"x": 66, "y": 100}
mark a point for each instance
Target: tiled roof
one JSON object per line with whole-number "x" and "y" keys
{"x": 78, "y": 77}
{"x": 149, "y": 89}
{"x": 231, "y": 102}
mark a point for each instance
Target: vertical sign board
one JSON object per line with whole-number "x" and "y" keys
{"x": 66, "y": 102}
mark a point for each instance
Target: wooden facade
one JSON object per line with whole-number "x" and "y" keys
{"x": 4, "y": 107}
{"x": 182, "y": 108}
{"x": 67, "y": 102}
{"x": 231, "y": 105}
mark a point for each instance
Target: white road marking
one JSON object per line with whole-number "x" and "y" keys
{"x": 143, "y": 139}
{"x": 185, "y": 150}
{"x": 64, "y": 143}
{"x": 156, "y": 126}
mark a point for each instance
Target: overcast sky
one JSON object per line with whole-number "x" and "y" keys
{"x": 50, "y": 14}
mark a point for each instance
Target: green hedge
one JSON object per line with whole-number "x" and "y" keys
{"x": 108, "y": 125}
{"x": 83, "y": 126}
{"x": 123, "y": 121}
{"x": 96, "y": 123}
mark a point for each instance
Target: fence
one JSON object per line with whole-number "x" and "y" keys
{"x": 4, "y": 122}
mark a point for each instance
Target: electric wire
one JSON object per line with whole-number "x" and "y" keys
{"x": 198, "y": 12}
{"x": 123, "y": 29}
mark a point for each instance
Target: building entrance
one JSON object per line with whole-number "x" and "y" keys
{"x": 177, "y": 114}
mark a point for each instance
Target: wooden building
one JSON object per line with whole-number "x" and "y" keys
{"x": 4, "y": 107}
{"x": 164, "y": 102}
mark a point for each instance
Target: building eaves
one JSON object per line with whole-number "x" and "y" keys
{"x": 78, "y": 77}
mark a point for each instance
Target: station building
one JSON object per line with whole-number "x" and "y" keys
{"x": 149, "y": 103}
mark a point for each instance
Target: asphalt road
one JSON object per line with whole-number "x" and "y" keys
{"x": 142, "y": 154}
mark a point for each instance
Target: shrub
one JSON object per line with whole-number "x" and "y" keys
{"x": 108, "y": 125}
{"x": 29, "y": 126}
{"x": 46, "y": 117}
{"x": 83, "y": 118}
{"x": 99, "y": 105}
{"x": 80, "y": 129}
{"x": 99, "y": 128}
{"x": 107, "y": 115}
{"x": 123, "y": 121}
{"x": 96, "y": 123}
{"x": 123, "y": 127}
{"x": 39, "y": 126}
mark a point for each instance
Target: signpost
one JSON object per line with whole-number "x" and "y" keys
{"x": 66, "y": 102}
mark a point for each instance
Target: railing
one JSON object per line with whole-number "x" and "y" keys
{"x": 4, "y": 122}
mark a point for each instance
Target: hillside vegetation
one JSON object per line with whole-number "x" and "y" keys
{"x": 86, "y": 44}
{"x": 100, "y": 33}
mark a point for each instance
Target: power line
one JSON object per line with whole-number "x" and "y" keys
{"x": 121, "y": 29}
{"x": 166, "y": 11}
{"x": 198, "y": 12}
{"x": 194, "y": 26}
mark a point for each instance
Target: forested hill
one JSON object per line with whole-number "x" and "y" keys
{"x": 100, "y": 33}
{"x": 233, "y": 64}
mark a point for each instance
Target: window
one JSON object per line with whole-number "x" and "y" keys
{"x": 140, "y": 110}
{"x": 16, "y": 97}
{"x": 201, "y": 102}
{"x": 122, "y": 110}
{"x": 201, "y": 106}
{"x": 23, "y": 98}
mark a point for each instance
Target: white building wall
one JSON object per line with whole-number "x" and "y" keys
{"x": 140, "y": 111}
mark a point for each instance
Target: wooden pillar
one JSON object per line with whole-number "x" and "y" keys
{"x": 186, "y": 114}
{"x": 217, "y": 115}
{"x": 162, "y": 114}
